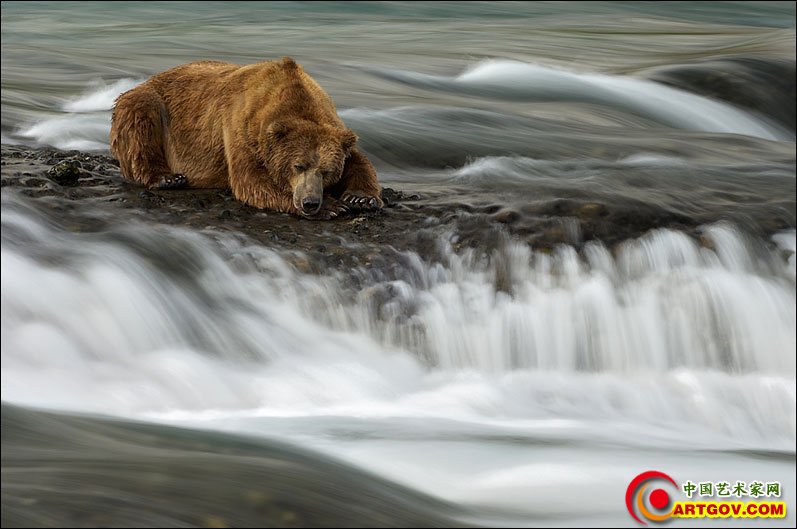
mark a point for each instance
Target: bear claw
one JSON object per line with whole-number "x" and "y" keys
{"x": 172, "y": 181}
{"x": 360, "y": 201}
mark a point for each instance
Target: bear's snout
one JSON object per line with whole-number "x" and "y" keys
{"x": 311, "y": 205}
{"x": 308, "y": 192}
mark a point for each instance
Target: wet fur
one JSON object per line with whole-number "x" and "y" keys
{"x": 241, "y": 127}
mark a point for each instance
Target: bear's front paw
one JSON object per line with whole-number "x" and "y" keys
{"x": 330, "y": 209}
{"x": 171, "y": 181}
{"x": 358, "y": 200}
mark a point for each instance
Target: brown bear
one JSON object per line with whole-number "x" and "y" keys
{"x": 266, "y": 130}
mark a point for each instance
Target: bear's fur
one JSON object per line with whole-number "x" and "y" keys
{"x": 266, "y": 130}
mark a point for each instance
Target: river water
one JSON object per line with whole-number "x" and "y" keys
{"x": 523, "y": 385}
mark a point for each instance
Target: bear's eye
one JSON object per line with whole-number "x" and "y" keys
{"x": 300, "y": 167}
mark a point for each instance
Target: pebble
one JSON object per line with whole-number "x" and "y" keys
{"x": 65, "y": 173}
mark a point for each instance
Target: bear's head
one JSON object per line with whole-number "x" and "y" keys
{"x": 306, "y": 158}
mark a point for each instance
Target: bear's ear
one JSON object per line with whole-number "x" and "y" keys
{"x": 348, "y": 139}
{"x": 277, "y": 130}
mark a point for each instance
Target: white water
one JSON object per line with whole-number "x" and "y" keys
{"x": 594, "y": 369}
{"x": 524, "y": 82}
{"x": 85, "y": 122}
{"x": 101, "y": 96}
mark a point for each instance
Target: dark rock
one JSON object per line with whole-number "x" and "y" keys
{"x": 592, "y": 210}
{"x": 766, "y": 86}
{"x": 65, "y": 173}
{"x": 507, "y": 216}
{"x": 35, "y": 182}
{"x": 391, "y": 197}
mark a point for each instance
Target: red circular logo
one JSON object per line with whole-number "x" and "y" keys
{"x": 658, "y": 499}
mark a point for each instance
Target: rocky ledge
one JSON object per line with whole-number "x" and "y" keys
{"x": 86, "y": 192}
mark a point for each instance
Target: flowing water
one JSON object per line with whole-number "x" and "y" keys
{"x": 519, "y": 384}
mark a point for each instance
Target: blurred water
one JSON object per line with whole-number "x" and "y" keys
{"x": 507, "y": 380}
{"x": 664, "y": 341}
